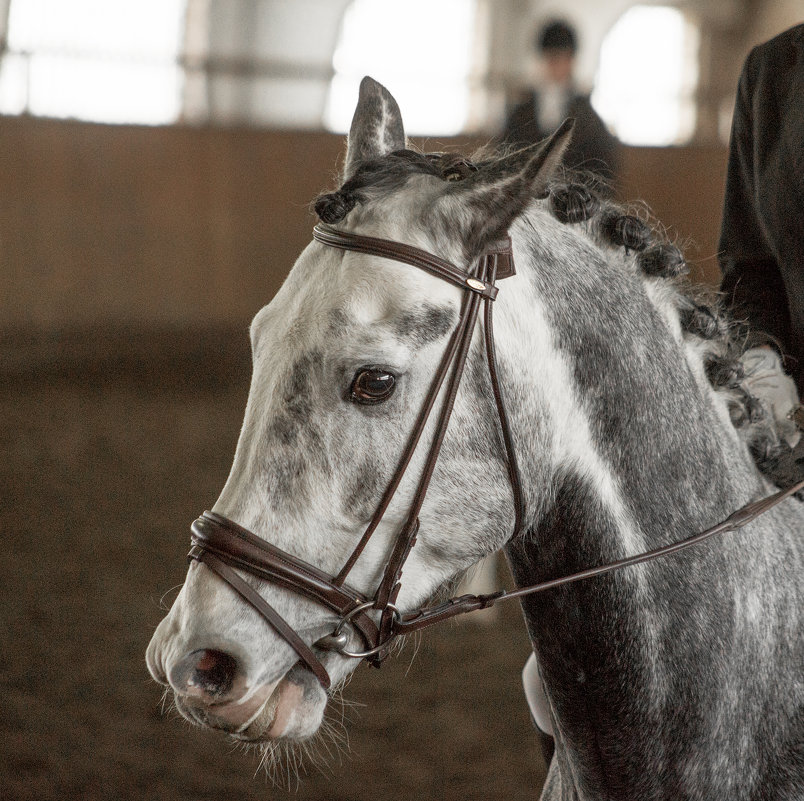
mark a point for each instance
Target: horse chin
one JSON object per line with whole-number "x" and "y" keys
{"x": 290, "y": 709}
{"x": 293, "y": 711}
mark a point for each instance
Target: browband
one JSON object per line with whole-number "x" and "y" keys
{"x": 416, "y": 257}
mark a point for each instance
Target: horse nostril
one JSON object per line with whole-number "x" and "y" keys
{"x": 214, "y": 672}
{"x": 205, "y": 673}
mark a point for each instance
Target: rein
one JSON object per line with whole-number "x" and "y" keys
{"x": 223, "y": 545}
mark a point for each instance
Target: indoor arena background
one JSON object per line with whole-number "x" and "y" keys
{"x": 132, "y": 259}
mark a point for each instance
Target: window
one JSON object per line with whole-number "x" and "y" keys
{"x": 232, "y": 62}
{"x": 421, "y": 51}
{"x": 94, "y": 60}
{"x": 645, "y": 88}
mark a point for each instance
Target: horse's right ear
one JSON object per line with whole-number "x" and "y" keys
{"x": 377, "y": 127}
{"x": 490, "y": 199}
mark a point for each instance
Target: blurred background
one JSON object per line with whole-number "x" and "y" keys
{"x": 157, "y": 161}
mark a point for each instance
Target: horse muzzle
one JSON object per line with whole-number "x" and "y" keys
{"x": 211, "y": 689}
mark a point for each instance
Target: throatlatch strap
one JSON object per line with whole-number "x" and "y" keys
{"x": 491, "y": 359}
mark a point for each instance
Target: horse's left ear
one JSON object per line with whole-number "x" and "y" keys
{"x": 498, "y": 192}
{"x": 377, "y": 127}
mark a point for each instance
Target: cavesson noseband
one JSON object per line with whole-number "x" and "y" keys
{"x": 223, "y": 545}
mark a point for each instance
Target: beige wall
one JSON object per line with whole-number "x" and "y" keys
{"x": 103, "y": 225}
{"x": 767, "y": 18}
{"x": 728, "y": 29}
{"x": 683, "y": 188}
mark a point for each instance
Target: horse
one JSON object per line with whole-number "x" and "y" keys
{"x": 610, "y": 417}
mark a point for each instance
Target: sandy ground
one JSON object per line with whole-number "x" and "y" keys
{"x": 103, "y": 468}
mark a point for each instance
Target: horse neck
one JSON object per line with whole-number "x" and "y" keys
{"x": 608, "y": 388}
{"x": 624, "y": 447}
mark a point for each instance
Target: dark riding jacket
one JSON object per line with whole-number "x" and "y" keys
{"x": 591, "y": 148}
{"x": 762, "y": 236}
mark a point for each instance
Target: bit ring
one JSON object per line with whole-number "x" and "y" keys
{"x": 337, "y": 640}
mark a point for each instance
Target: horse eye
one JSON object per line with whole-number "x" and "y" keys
{"x": 372, "y": 385}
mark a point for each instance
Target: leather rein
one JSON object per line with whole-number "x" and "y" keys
{"x": 223, "y": 545}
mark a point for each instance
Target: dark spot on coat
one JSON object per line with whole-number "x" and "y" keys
{"x": 337, "y": 321}
{"x": 425, "y": 325}
{"x": 294, "y": 440}
{"x": 300, "y": 386}
{"x": 363, "y": 490}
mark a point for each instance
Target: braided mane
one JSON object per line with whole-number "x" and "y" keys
{"x": 581, "y": 199}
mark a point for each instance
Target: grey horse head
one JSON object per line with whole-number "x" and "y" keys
{"x": 316, "y": 451}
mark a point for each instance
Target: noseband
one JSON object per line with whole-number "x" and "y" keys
{"x": 222, "y": 545}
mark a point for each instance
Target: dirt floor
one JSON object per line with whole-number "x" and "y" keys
{"x": 104, "y": 465}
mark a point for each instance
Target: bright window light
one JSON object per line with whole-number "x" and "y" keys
{"x": 647, "y": 78}
{"x": 94, "y": 60}
{"x": 422, "y": 56}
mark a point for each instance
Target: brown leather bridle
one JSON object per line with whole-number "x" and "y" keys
{"x": 223, "y": 545}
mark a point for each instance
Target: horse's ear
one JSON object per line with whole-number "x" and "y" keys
{"x": 376, "y": 127}
{"x": 501, "y": 190}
